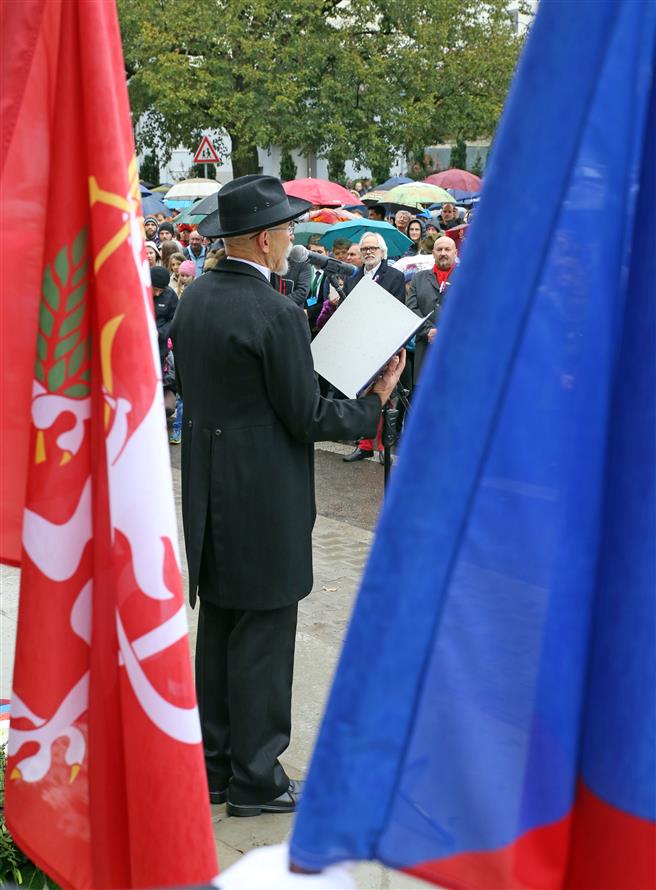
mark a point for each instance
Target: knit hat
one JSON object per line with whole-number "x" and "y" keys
{"x": 167, "y": 227}
{"x": 154, "y": 247}
{"x": 159, "y": 276}
{"x": 151, "y": 219}
{"x": 187, "y": 268}
{"x": 185, "y": 227}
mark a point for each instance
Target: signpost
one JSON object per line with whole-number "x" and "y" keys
{"x": 206, "y": 154}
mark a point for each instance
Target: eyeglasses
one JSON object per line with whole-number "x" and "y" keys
{"x": 367, "y": 249}
{"x": 290, "y": 227}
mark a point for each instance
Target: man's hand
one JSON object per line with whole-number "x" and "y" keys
{"x": 389, "y": 377}
{"x": 333, "y": 296}
{"x": 432, "y": 334}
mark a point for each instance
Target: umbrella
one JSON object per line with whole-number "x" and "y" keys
{"x": 393, "y": 181}
{"x": 197, "y": 212}
{"x": 184, "y": 193}
{"x": 456, "y": 179}
{"x": 143, "y": 190}
{"x": 331, "y": 216}
{"x": 397, "y": 242}
{"x": 321, "y": 192}
{"x": 189, "y": 215}
{"x": 464, "y": 197}
{"x": 163, "y": 187}
{"x": 417, "y": 194}
{"x": 153, "y": 204}
{"x": 375, "y": 197}
{"x": 415, "y": 263}
{"x": 303, "y": 231}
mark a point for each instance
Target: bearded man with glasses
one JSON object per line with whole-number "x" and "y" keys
{"x": 252, "y": 413}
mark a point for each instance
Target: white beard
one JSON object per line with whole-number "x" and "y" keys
{"x": 283, "y": 267}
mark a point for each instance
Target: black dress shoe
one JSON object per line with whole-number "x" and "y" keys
{"x": 217, "y": 797}
{"x": 285, "y": 803}
{"x": 357, "y": 454}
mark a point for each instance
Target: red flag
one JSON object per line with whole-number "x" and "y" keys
{"x": 106, "y": 783}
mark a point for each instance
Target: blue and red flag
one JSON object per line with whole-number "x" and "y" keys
{"x": 492, "y": 720}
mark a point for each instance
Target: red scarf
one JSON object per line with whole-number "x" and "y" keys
{"x": 442, "y": 276}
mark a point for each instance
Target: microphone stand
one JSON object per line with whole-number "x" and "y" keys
{"x": 390, "y": 417}
{"x": 335, "y": 281}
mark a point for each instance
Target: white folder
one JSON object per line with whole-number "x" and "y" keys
{"x": 365, "y": 331}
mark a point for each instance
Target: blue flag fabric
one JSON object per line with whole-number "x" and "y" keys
{"x": 492, "y": 720}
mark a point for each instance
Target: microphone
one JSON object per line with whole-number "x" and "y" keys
{"x": 300, "y": 254}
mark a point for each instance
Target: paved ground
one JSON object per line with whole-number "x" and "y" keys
{"x": 348, "y": 500}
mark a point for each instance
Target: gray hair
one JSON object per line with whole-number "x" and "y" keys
{"x": 379, "y": 238}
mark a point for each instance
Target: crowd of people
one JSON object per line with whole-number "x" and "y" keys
{"x": 419, "y": 276}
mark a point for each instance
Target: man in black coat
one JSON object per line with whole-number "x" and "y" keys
{"x": 427, "y": 294}
{"x": 374, "y": 265}
{"x": 252, "y": 413}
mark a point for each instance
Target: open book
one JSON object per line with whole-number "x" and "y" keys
{"x": 368, "y": 328}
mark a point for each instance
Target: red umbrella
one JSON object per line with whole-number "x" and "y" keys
{"x": 330, "y": 216}
{"x": 456, "y": 179}
{"x": 319, "y": 191}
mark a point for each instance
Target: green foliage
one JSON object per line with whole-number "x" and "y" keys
{"x": 15, "y": 867}
{"x": 149, "y": 168}
{"x": 288, "y": 168}
{"x": 459, "y": 155}
{"x": 477, "y": 167}
{"x": 336, "y": 163}
{"x": 359, "y": 79}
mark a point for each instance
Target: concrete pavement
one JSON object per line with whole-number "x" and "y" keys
{"x": 340, "y": 550}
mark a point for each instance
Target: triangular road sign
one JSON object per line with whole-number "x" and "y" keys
{"x": 206, "y": 153}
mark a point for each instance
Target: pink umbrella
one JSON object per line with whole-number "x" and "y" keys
{"x": 456, "y": 179}
{"x": 319, "y": 191}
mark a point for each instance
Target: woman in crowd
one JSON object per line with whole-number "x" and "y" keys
{"x": 167, "y": 249}
{"x": 416, "y": 234}
{"x": 153, "y": 254}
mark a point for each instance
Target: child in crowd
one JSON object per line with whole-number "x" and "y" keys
{"x": 186, "y": 274}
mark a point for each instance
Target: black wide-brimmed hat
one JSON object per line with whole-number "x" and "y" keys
{"x": 249, "y": 204}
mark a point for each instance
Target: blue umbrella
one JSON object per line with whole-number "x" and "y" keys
{"x": 153, "y": 204}
{"x": 144, "y": 191}
{"x": 394, "y": 181}
{"x": 304, "y": 231}
{"x": 353, "y": 230}
{"x": 464, "y": 197}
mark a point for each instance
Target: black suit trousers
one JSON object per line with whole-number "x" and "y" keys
{"x": 244, "y": 670}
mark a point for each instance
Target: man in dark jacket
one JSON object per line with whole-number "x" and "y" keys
{"x": 165, "y": 302}
{"x": 252, "y": 412}
{"x": 427, "y": 293}
{"x": 374, "y": 265}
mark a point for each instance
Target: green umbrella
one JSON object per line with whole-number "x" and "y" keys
{"x": 303, "y": 231}
{"x": 354, "y": 229}
{"x": 378, "y": 196}
{"x": 188, "y": 215}
{"x": 417, "y": 195}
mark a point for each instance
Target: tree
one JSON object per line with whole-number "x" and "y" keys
{"x": 459, "y": 155}
{"x": 477, "y": 167}
{"x": 336, "y": 163}
{"x": 288, "y": 168}
{"x": 149, "y": 168}
{"x": 357, "y": 79}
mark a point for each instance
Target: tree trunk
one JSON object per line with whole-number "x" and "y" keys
{"x": 243, "y": 156}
